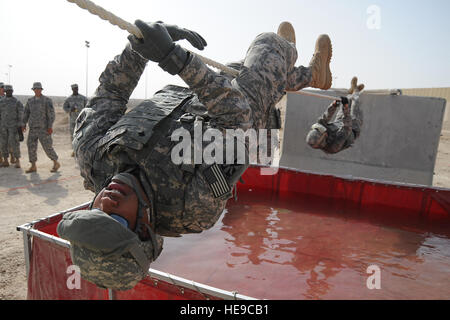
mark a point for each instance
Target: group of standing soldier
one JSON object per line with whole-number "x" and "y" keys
{"x": 39, "y": 115}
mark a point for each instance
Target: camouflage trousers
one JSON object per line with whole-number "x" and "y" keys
{"x": 46, "y": 140}
{"x": 9, "y": 142}
{"x": 72, "y": 123}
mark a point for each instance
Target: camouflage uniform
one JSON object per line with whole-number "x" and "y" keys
{"x": 1, "y": 98}
{"x": 11, "y": 114}
{"x": 108, "y": 141}
{"x": 73, "y": 106}
{"x": 345, "y": 129}
{"x": 40, "y": 115}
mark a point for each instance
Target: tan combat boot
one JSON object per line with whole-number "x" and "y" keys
{"x": 320, "y": 63}
{"x": 286, "y": 31}
{"x": 32, "y": 168}
{"x": 12, "y": 159}
{"x": 17, "y": 163}
{"x": 56, "y": 166}
{"x": 355, "y": 86}
{"x": 5, "y": 163}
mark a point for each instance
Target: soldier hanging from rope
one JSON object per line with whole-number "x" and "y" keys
{"x": 125, "y": 158}
{"x": 340, "y": 134}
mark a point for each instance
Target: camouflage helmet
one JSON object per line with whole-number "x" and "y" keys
{"x": 317, "y": 136}
{"x": 108, "y": 254}
{"x": 37, "y": 85}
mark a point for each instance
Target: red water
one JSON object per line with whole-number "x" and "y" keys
{"x": 307, "y": 249}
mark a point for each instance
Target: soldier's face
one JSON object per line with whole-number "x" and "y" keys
{"x": 2, "y": 92}
{"x": 37, "y": 92}
{"x": 120, "y": 199}
{"x": 9, "y": 93}
{"x": 75, "y": 91}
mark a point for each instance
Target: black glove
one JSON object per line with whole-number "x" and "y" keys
{"x": 158, "y": 46}
{"x": 344, "y": 100}
{"x": 155, "y": 45}
{"x": 178, "y": 33}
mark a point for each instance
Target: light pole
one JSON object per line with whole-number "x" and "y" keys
{"x": 9, "y": 74}
{"x": 88, "y": 45}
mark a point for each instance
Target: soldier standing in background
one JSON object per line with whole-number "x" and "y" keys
{"x": 2, "y": 94}
{"x": 40, "y": 115}
{"x": 11, "y": 114}
{"x": 73, "y": 106}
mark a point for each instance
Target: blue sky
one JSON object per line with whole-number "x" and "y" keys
{"x": 44, "y": 40}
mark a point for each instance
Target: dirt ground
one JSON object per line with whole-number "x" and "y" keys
{"x": 26, "y": 197}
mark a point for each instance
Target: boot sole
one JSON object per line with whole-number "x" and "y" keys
{"x": 324, "y": 43}
{"x": 323, "y": 53}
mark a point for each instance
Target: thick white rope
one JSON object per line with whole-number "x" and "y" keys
{"x": 131, "y": 28}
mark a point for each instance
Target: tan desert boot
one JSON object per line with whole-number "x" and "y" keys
{"x": 286, "y": 31}
{"x": 320, "y": 63}
{"x": 12, "y": 160}
{"x": 17, "y": 163}
{"x": 32, "y": 168}
{"x": 355, "y": 86}
{"x": 56, "y": 166}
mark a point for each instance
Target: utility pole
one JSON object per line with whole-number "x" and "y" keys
{"x": 88, "y": 45}
{"x": 9, "y": 74}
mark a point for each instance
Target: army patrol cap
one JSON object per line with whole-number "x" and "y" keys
{"x": 37, "y": 85}
{"x": 1, "y": 85}
{"x": 8, "y": 87}
{"x": 108, "y": 253}
{"x": 74, "y": 86}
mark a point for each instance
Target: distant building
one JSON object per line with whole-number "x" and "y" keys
{"x": 432, "y": 92}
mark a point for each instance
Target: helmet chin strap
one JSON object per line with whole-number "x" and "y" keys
{"x": 144, "y": 204}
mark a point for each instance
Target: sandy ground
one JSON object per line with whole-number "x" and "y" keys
{"x": 25, "y": 197}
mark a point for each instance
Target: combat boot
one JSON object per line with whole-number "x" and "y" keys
{"x": 5, "y": 163}
{"x": 355, "y": 87}
{"x": 354, "y": 84}
{"x": 320, "y": 63}
{"x": 286, "y": 31}
{"x": 56, "y": 166}
{"x": 32, "y": 168}
{"x": 17, "y": 163}
{"x": 12, "y": 159}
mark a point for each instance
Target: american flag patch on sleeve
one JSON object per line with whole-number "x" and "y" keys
{"x": 216, "y": 180}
